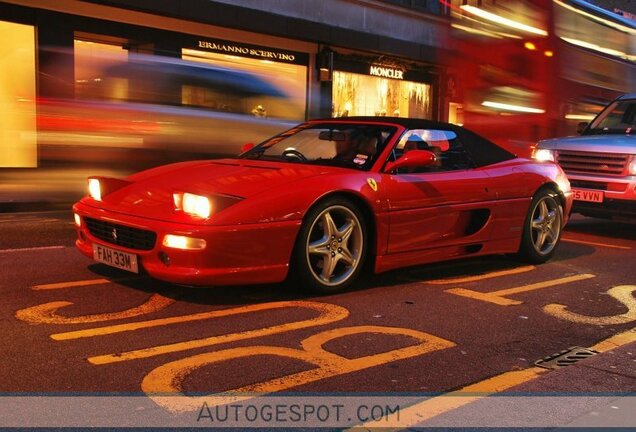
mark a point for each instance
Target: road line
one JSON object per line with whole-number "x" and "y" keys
{"x": 19, "y": 220}
{"x": 328, "y": 313}
{"x": 47, "y": 313}
{"x": 414, "y": 415}
{"x": 490, "y": 275}
{"x": 31, "y": 249}
{"x": 621, "y": 293}
{"x": 169, "y": 377}
{"x": 596, "y": 244}
{"x": 616, "y": 341}
{"x": 31, "y": 220}
{"x": 81, "y": 283}
{"x": 497, "y": 297}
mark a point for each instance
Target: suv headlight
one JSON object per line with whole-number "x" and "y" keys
{"x": 544, "y": 155}
{"x": 632, "y": 166}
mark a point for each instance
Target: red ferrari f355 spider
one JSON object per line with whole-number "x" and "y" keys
{"x": 326, "y": 201}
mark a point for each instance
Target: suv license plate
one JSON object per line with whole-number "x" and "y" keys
{"x": 115, "y": 258}
{"x": 588, "y": 195}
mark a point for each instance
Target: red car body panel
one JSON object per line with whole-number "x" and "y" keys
{"x": 413, "y": 218}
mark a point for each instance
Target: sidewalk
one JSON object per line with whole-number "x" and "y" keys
{"x": 596, "y": 392}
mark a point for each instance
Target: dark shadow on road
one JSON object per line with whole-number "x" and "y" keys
{"x": 602, "y": 228}
{"x": 213, "y": 295}
{"x": 287, "y": 291}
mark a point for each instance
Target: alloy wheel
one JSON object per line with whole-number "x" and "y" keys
{"x": 335, "y": 245}
{"x": 546, "y": 224}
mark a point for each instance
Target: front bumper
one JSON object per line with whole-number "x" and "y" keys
{"x": 619, "y": 196}
{"x": 234, "y": 255}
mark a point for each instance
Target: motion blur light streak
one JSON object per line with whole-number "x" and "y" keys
{"x": 85, "y": 140}
{"x": 582, "y": 117}
{"x": 598, "y": 48}
{"x": 503, "y": 21}
{"x": 596, "y": 18}
{"x": 476, "y": 31}
{"x": 509, "y": 107}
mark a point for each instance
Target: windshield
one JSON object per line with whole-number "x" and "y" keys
{"x": 618, "y": 118}
{"x": 348, "y": 145}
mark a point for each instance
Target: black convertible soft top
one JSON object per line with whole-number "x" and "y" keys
{"x": 482, "y": 151}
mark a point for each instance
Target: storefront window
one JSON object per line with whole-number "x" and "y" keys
{"x": 94, "y": 62}
{"x": 282, "y": 94}
{"x": 18, "y": 142}
{"x": 365, "y": 95}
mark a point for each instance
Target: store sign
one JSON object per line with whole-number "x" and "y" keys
{"x": 386, "y": 72}
{"x": 250, "y": 51}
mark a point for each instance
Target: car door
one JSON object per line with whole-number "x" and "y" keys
{"x": 441, "y": 205}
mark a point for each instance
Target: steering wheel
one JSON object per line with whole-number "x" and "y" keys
{"x": 294, "y": 154}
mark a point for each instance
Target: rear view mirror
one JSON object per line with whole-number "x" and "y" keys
{"x": 332, "y": 136}
{"x": 581, "y": 127}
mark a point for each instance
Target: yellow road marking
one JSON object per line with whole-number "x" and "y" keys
{"x": 169, "y": 377}
{"x": 481, "y": 276}
{"x": 616, "y": 341}
{"x": 74, "y": 284}
{"x": 328, "y": 313}
{"x": 416, "y": 414}
{"x": 46, "y": 313}
{"x": 497, "y": 297}
{"x": 622, "y": 293}
{"x": 596, "y": 244}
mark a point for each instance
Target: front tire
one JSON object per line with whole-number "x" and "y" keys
{"x": 542, "y": 227}
{"x": 332, "y": 246}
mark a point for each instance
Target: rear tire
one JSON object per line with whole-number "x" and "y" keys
{"x": 332, "y": 246}
{"x": 542, "y": 227}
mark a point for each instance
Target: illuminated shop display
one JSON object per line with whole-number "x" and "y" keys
{"x": 383, "y": 92}
{"x": 18, "y": 142}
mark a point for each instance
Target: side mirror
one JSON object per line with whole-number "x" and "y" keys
{"x": 581, "y": 127}
{"x": 412, "y": 159}
{"x": 247, "y": 147}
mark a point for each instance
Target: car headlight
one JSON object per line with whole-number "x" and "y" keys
{"x": 94, "y": 189}
{"x": 632, "y": 166}
{"x": 544, "y": 155}
{"x": 195, "y": 205}
{"x": 183, "y": 242}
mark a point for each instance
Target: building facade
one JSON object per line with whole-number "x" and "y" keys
{"x": 327, "y": 58}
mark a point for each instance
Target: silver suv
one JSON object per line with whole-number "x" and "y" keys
{"x": 601, "y": 162}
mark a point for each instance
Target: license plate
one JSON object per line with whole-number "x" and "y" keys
{"x": 588, "y": 195}
{"x": 115, "y": 258}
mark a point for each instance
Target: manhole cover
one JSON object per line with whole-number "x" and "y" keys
{"x": 565, "y": 358}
